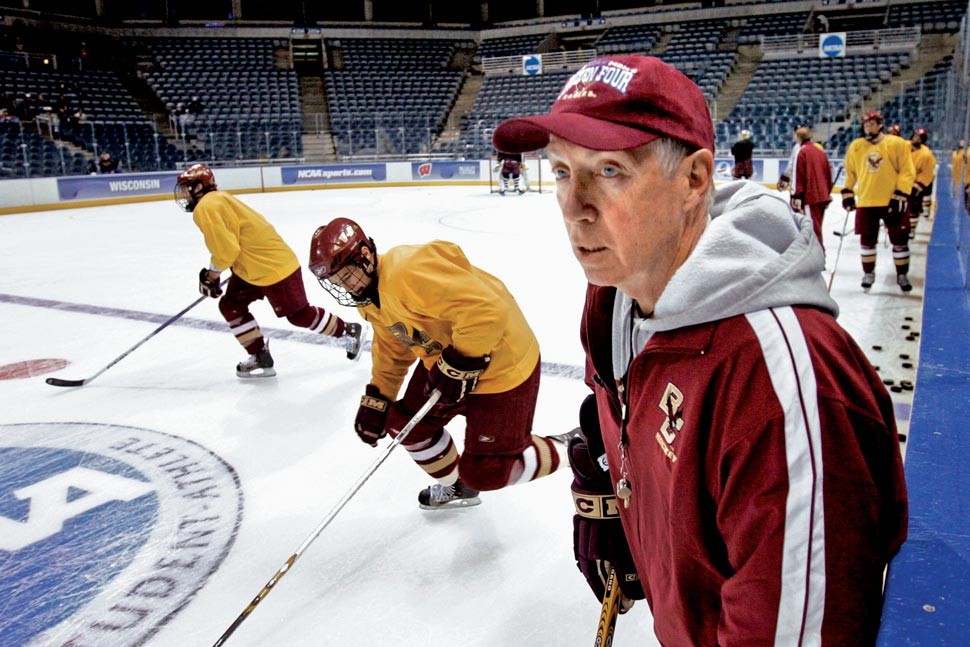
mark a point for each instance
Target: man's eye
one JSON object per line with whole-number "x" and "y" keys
{"x": 610, "y": 171}
{"x": 560, "y": 173}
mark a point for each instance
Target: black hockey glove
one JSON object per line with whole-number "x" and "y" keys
{"x": 898, "y": 203}
{"x": 371, "y": 421}
{"x": 848, "y": 199}
{"x": 798, "y": 203}
{"x": 598, "y": 539}
{"x": 455, "y": 375}
{"x": 209, "y": 286}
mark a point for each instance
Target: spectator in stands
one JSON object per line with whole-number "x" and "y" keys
{"x": 879, "y": 168}
{"x": 180, "y": 116}
{"x": 735, "y": 430}
{"x": 742, "y": 150}
{"x": 7, "y": 118}
{"x": 812, "y": 189}
{"x": 105, "y": 164}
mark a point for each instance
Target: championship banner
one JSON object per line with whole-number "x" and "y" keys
{"x": 532, "y": 64}
{"x": 831, "y": 45}
{"x": 336, "y": 173}
{"x": 115, "y": 185}
{"x": 445, "y": 171}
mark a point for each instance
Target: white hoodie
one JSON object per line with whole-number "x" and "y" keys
{"x": 754, "y": 254}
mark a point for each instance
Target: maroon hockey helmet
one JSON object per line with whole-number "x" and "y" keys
{"x": 923, "y": 135}
{"x": 894, "y": 129}
{"x": 339, "y": 244}
{"x": 193, "y": 183}
{"x": 872, "y": 115}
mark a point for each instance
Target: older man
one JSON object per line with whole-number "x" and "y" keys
{"x": 750, "y": 444}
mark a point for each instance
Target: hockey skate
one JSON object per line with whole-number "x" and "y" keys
{"x": 258, "y": 365}
{"x": 353, "y": 339}
{"x": 903, "y": 282}
{"x": 868, "y": 279}
{"x": 440, "y": 497}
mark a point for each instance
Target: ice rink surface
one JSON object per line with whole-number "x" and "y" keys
{"x": 150, "y": 506}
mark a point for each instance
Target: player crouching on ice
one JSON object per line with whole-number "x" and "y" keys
{"x": 262, "y": 265}
{"x": 428, "y": 302}
{"x": 510, "y": 168}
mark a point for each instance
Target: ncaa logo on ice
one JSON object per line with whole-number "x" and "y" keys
{"x": 106, "y": 532}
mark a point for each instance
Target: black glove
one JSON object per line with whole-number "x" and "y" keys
{"x": 455, "y": 375}
{"x": 209, "y": 286}
{"x": 898, "y": 203}
{"x": 848, "y": 199}
{"x": 371, "y": 421}
{"x": 798, "y": 203}
{"x": 598, "y": 539}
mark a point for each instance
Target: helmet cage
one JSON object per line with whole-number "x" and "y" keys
{"x": 342, "y": 295}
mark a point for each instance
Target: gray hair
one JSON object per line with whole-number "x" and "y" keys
{"x": 669, "y": 153}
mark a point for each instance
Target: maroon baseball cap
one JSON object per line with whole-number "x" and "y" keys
{"x": 616, "y": 103}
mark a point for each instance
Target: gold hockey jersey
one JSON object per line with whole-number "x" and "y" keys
{"x": 874, "y": 171}
{"x": 432, "y": 297}
{"x": 239, "y": 237}
{"x": 924, "y": 161}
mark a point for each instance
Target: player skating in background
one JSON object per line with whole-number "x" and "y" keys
{"x": 262, "y": 264}
{"x": 742, "y": 150}
{"x": 460, "y": 325}
{"x": 510, "y": 167}
{"x": 735, "y": 429}
{"x": 879, "y": 175}
{"x": 812, "y": 186}
{"x": 924, "y": 161}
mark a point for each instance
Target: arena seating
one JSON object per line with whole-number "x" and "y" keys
{"x": 391, "y": 96}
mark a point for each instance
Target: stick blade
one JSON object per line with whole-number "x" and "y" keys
{"x": 56, "y": 381}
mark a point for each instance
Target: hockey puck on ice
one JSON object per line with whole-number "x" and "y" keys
{"x": 903, "y": 356}
{"x": 902, "y": 437}
{"x": 876, "y": 368}
{"x": 905, "y": 326}
{"x": 888, "y": 382}
{"x": 895, "y": 388}
{"x": 908, "y": 318}
{"x": 907, "y": 365}
{"x": 877, "y": 347}
{"x": 906, "y": 384}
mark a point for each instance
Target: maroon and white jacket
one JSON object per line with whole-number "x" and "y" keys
{"x": 768, "y": 490}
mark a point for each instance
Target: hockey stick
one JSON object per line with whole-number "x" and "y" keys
{"x": 56, "y": 381}
{"x": 611, "y": 606}
{"x": 284, "y": 569}
{"x": 835, "y": 264}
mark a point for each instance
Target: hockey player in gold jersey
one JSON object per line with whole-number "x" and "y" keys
{"x": 262, "y": 264}
{"x": 465, "y": 335}
{"x": 924, "y": 162}
{"x": 879, "y": 176}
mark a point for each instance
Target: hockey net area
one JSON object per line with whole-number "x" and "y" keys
{"x": 530, "y": 178}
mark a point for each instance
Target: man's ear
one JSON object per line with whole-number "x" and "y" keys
{"x": 699, "y": 169}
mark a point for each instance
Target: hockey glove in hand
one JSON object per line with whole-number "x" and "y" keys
{"x": 798, "y": 203}
{"x": 209, "y": 283}
{"x": 371, "y": 421}
{"x": 898, "y": 203}
{"x": 598, "y": 539}
{"x": 783, "y": 183}
{"x": 455, "y": 375}
{"x": 848, "y": 199}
